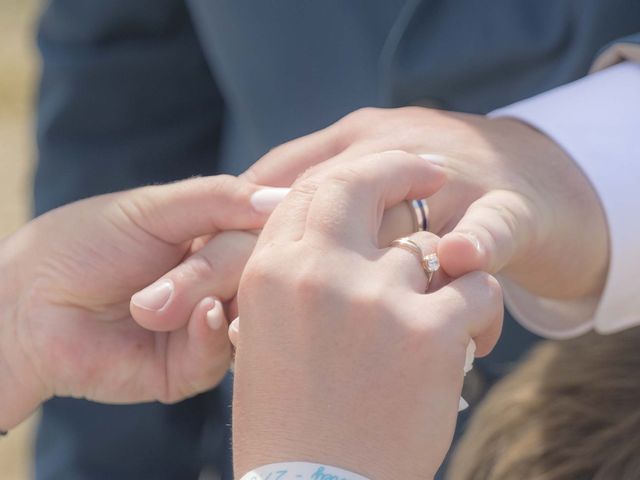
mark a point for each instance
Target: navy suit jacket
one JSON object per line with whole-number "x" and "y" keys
{"x": 151, "y": 90}
{"x": 141, "y": 91}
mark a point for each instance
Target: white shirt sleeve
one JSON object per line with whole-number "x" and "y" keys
{"x": 596, "y": 120}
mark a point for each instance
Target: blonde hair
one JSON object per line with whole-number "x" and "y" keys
{"x": 571, "y": 411}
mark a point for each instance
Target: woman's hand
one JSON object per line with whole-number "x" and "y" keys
{"x": 341, "y": 356}
{"x": 69, "y": 277}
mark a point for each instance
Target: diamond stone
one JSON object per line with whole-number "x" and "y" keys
{"x": 432, "y": 263}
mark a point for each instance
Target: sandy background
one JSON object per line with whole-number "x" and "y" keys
{"x": 18, "y": 68}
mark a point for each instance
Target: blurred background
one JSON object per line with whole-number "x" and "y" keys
{"x": 18, "y": 70}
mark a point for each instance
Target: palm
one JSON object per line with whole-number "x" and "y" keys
{"x": 79, "y": 320}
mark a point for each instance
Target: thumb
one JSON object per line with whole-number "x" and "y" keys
{"x": 185, "y": 210}
{"x": 215, "y": 269}
{"x": 496, "y": 230}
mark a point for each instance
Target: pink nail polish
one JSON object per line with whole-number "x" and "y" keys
{"x": 155, "y": 297}
{"x": 267, "y": 199}
{"x": 235, "y": 325}
{"x": 214, "y": 316}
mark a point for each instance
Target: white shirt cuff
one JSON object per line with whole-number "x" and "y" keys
{"x": 596, "y": 120}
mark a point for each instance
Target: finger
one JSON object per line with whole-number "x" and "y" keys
{"x": 350, "y": 199}
{"x": 350, "y": 153}
{"x": 282, "y": 165}
{"x": 495, "y": 231}
{"x": 405, "y": 266}
{"x": 232, "y": 307}
{"x": 397, "y": 221}
{"x": 184, "y": 210}
{"x": 215, "y": 269}
{"x": 471, "y": 304}
{"x": 199, "y": 355}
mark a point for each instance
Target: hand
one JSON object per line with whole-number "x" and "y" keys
{"x": 341, "y": 356}
{"x": 70, "y": 275}
{"x": 514, "y": 202}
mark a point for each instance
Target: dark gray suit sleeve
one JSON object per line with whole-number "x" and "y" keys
{"x": 126, "y": 98}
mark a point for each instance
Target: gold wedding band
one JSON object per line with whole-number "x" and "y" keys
{"x": 429, "y": 263}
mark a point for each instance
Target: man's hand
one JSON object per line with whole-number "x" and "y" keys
{"x": 70, "y": 275}
{"x": 514, "y": 202}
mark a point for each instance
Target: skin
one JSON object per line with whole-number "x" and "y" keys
{"x": 514, "y": 202}
{"x": 75, "y": 323}
{"x": 68, "y": 278}
{"x": 338, "y": 336}
{"x": 71, "y": 323}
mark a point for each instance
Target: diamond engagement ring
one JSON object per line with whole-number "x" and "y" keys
{"x": 429, "y": 263}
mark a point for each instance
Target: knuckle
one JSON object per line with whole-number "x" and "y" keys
{"x": 313, "y": 284}
{"x": 359, "y": 121}
{"x": 362, "y": 115}
{"x": 487, "y": 287}
{"x": 259, "y": 272}
{"x": 347, "y": 175}
{"x": 201, "y": 267}
{"x": 309, "y": 181}
{"x": 138, "y": 206}
{"x": 225, "y": 184}
{"x": 369, "y": 300}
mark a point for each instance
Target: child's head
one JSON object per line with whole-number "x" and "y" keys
{"x": 571, "y": 411}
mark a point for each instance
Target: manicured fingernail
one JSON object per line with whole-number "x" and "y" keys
{"x": 434, "y": 158}
{"x": 155, "y": 296}
{"x": 235, "y": 325}
{"x": 214, "y": 316}
{"x": 470, "y": 356}
{"x": 267, "y": 199}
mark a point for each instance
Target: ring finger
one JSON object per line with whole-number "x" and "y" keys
{"x": 413, "y": 260}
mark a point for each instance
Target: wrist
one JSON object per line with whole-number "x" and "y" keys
{"x": 20, "y": 392}
{"x": 302, "y": 432}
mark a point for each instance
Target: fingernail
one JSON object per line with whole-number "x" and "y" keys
{"x": 470, "y": 356}
{"x": 155, "y": 296}
{"x": 434, "y": 158}
{"x": 214, "y": 316}
{"x": 473, "y": 239}
{"x": 235, "y": 325}
{"x": 267, "y": 199}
